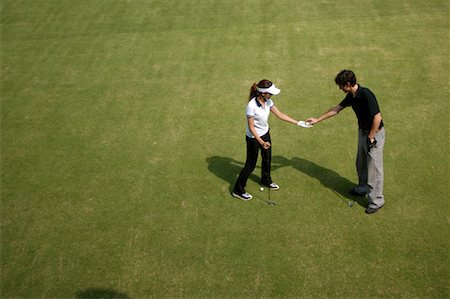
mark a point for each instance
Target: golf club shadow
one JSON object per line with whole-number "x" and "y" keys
{"x": 93, "y": 293}
{"x": 327, "y": 177}
{"x": 227, "y": 169}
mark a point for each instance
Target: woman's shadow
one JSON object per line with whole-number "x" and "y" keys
{"x": 227, "y": 169}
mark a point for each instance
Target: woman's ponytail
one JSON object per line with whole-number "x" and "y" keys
{"x": 253, "y": 91}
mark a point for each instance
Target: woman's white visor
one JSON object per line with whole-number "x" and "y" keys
{"x": 272, "y": 89}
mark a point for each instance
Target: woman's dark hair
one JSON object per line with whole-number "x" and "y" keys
{"x": 262, "y": 84}
{"x": 344, "y": 77}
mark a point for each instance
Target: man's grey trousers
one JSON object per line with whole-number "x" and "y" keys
{"x": 369, "y": 166}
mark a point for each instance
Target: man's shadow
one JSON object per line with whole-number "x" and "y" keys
{"x": 228, "y": 169}
{"x": 327, "y": 177}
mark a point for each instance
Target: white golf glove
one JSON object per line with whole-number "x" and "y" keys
{"x": 304, "y": 124}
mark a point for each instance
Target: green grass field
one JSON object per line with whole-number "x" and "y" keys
{"x": 123, "y": 130}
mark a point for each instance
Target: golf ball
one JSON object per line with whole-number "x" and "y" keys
{"x": 350, "y": 204}
{"x": 261, "y": 189}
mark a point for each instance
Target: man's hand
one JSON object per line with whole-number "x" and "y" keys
{"x": 371, "y": 142}
{"x": 311, "y": 120}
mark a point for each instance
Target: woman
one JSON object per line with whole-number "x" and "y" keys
{"x": 258, "y": 136}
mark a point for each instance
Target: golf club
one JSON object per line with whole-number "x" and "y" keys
{"x": 270, "y": 201}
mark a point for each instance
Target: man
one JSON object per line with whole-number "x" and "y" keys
{"x": 369, "y": 159}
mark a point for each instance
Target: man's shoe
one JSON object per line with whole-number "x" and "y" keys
{"x": 244, "y": 196}
{"x": 355, "y": 192}
{"x": 371, "y": 210}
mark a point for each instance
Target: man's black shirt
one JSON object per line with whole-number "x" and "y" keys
{"x": 365, "y": 106}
